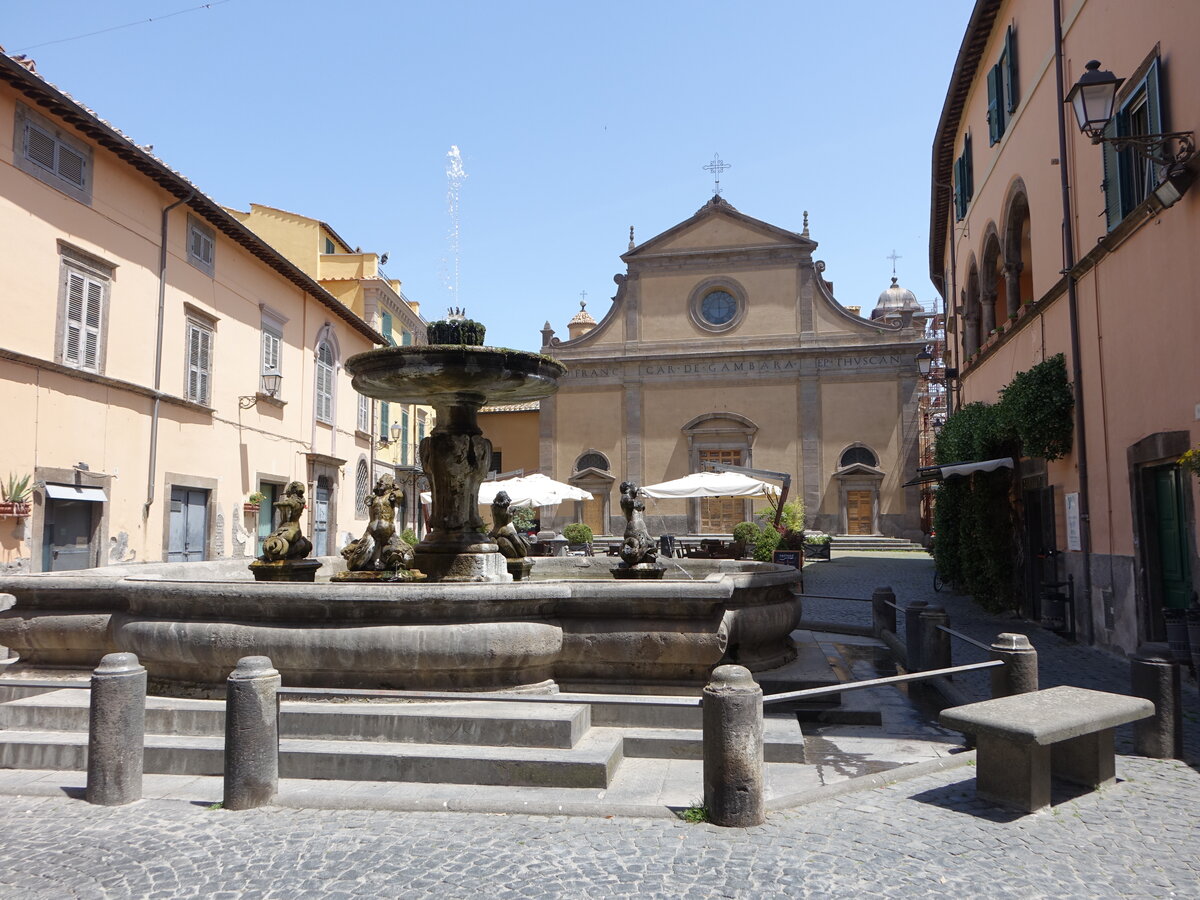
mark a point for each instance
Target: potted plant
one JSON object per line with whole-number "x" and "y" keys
{"x": 817, "y": 545}
{"x": 744, "y": 536}
{"x": 578, "y": 535}
{"x": 1190, "y": 461}
{"x": 16, "y": 494}
{"x": 253, "y": 502}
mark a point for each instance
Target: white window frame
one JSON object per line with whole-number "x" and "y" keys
{"x": 51, "y": 155}
{"x": 323, "y": 406}
{"x": 199, "y": 336}
{"x": 201, "y": 246}
{"x": 364, "y": 414}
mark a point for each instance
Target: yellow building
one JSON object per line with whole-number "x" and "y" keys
{"x": 388, "y": 433}
{"x": 724, "y": 344}
{"x": 159, "y": 362}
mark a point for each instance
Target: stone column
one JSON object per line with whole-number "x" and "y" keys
{"x": 733, "y": 748}
{"x": 970, "y": 332}
{"x": 935, "y": 643}
{"x": 1019, "y": 674}
{"x": 912, "y": 634}
{"x": 116, "y": 731}
{"x": 1012, "y": 287}
{"x": 987, "y": 319}
{"x": 1154, "y": 675}
{"x": 883, "y": 616}
{"x": 251, "y": 733}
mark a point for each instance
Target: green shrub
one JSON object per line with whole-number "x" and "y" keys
{"x": 765, "y": 544}
{"x": 791, "y": 519}
{"x": 522, "y": 517}
{"x": 456, "y": 331}
{"x": 409, "y": 537}
{"x": 577, "y": 533}
{"x": 745, "y": 531}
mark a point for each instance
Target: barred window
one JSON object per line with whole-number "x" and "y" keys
{"x": 362, "y": 487}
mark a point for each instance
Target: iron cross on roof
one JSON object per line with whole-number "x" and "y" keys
{"x": 717, "y": 166}
{"x": 893, "y": 258}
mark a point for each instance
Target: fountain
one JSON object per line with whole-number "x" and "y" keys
{"x": 469, "y": 625}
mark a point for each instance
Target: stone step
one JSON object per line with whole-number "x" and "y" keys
{"x": 871, "y": 542}
{"x": 468, "y": 722}
{"x": 783, "y": 741}
{"x": 592, "y": 763}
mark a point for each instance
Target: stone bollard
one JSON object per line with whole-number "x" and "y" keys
{"x": 935, "y": 643}
{"x": 1154, "y": 675}
{"x": 116, "y": 731}
{"x": 883, "y": 616}
{"x": 251, "y": 733}
{"x": 1019, "y": 674}
{"x": 733, "y": 748}
{"x": 912, "y": 634}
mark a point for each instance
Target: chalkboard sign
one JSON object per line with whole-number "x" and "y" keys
{"x": 788, "y": 558}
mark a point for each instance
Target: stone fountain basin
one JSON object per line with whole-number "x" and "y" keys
{"x": 434, "y": 374}
{"x": 189, "y": 623}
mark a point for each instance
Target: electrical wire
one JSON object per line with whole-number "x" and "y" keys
{"x": 78, "y": 37}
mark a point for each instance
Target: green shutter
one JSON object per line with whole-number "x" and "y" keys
{"x": 387, "y": 329}
{"x": 995, "y": 114}
{"x": 1012, "y": 90}
{"x": 404, "y": 437}
{"x": 1112, "y": 178}
{"x": 384, "y": 420}
{"x": 968, "y": 168}
{"x": 1154, "y": 109}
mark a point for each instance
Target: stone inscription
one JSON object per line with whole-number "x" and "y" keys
{"x": 747, "y": 367}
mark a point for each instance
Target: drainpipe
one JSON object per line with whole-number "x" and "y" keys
{"x": 1085, "y": 529}
{"x": 158, "y": 348}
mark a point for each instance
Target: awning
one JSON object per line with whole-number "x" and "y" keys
{"x": 709, "y": 484}
{"x": 530, "y": 490}
{"x": 926, "y": 474}
{"x": 75, "y": 492}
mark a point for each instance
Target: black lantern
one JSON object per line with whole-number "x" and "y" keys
{"x": 1092, "y": 98}
{"x": 924, "y": 361}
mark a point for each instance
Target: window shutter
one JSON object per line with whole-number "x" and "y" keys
{"x": 70, "y": 165}
{"x": 386, "y": 328}
{"x": 39, "y": 146}
{"x": 1154, "y": 113}
{"x": 404, "y": 437}
{"x": 1012, "y": 90}
{"x": 75, "y": 312}
{"x": 995, "y": 116}
{"x": 406, "y": 338}
{"x": 968, "y": 171}
{"x": 91, "y": 325}
{"x": 1112, "y": 178}
{"x": 385, "y": 415}
{"x": 199, "y": 355}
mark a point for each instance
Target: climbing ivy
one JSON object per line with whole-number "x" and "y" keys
{"x": 975, "y": 518}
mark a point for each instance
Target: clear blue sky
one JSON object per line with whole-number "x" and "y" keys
{"x": 575, "y": 121}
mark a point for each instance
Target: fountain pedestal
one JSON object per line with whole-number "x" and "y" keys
{"x": 456, "y": 381}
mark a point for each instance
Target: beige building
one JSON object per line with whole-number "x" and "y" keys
{"x": 1112, "y": 523}
{"x": 159, "y": 362}
{"x": 724, "y": 344}
{"x": 388, "y": 433}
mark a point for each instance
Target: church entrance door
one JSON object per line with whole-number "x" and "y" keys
{"x": 858, "y": 512}
{"x": 593, "y": 515}
{"x": 719, "y": 515}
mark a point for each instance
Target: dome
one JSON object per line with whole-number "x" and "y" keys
{"x": 583, "y": 317}
{"x": 894, "y": 301}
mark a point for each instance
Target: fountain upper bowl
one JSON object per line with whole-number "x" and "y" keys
{"x": 443, "y": 373}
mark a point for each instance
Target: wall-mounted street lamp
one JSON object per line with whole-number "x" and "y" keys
{"x": 1093, "y": 97}
{"x": 271, "y": 380}
{"x": 924, "y": 361}
{"x": 396, "y": 433}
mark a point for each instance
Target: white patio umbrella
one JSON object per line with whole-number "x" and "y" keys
{"x": 528, "y": 490}
{"x": 709, "y": 484}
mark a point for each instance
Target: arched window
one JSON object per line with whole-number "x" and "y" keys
{"x": 860, "y": 455}
{"x": 362, "y": 487}
{"x": 324, "y": 383}
{"x": 591, "y": 460}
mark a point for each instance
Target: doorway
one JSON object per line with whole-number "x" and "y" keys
{"x": 859, "y": 509}
{"x": 1170, "y": 568}
{"x": 189, "y": 525}
{"x": 320, "y": 520}
{"x": 67, "y": 536}
{"x": 266, "y": 512}
{"x": 720, "y": 515}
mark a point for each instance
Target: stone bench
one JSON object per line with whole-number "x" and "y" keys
{"x": 1024, "y": 738}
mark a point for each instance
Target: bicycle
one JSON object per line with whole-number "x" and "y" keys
{"x": 937, "y": 580}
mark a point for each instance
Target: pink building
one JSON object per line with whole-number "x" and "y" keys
{"x": 160, "y": 364}
{"x": 1043, "y": 242}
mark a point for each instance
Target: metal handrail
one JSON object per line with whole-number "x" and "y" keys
{"x": 963, "y": 637}
{"x": 46, "y": 683}
{"x": 616, "y": 699}
{"x": 828, "y": 597}
{"x": 877, "y": 682}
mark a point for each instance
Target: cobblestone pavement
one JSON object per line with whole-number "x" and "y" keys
{"x": 927, "y": 836}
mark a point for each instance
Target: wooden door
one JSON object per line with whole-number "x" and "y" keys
{"x": 719, "y": 515}
{"x": 858, "y": 513}
{"x": 593, "y": 515}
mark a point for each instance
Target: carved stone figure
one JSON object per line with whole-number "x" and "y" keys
{"x": 638, "y": 547}
{"x": 381, "y": 547}
{"x": 287, "y": 541}
{"x": 511, "y": 542}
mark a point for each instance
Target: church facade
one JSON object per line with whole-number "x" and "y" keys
{"x": 724, "y": 344}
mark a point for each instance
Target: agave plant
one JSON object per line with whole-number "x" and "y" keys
{"x": 15, "y": 490}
